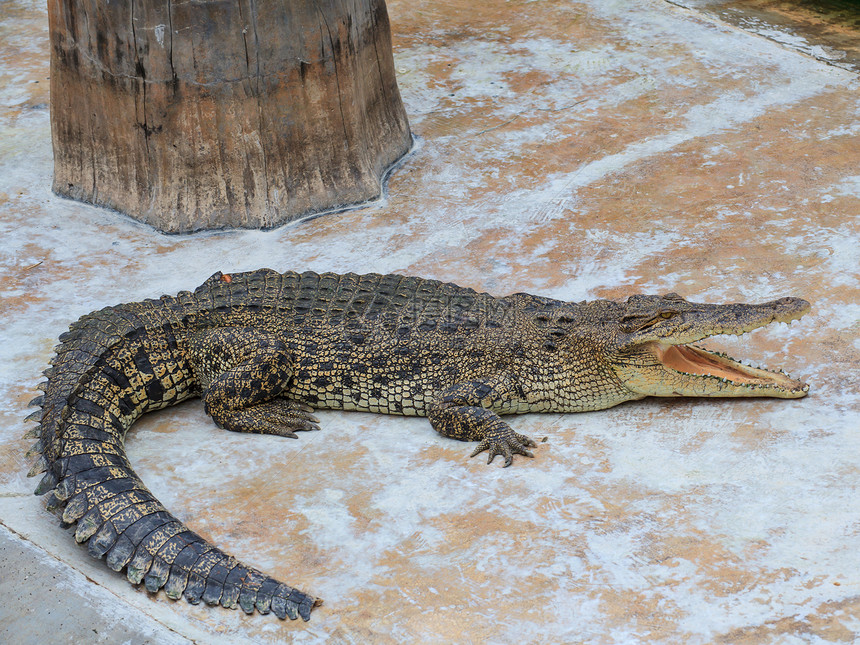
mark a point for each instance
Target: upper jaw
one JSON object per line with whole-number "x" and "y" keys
{"x": 698, "y": 321}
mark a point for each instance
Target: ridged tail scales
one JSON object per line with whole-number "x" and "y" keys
{"x": 110, "y": 368}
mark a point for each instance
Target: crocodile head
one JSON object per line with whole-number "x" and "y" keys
{"x": 653, "y": 354}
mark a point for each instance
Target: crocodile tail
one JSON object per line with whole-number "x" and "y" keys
{"x": 93, "y": 394}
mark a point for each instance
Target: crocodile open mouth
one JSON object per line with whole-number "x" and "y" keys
{"x": 734, "y": 377}
{"x": 658, "y": 358}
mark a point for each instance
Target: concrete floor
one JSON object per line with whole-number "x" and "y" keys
{"x": 571, "y": 149}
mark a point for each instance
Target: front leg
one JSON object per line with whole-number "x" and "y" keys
{"x": 465, "y": 411}
{"x": 244, "y": 372}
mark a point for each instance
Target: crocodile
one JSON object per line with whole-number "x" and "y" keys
{"x": 265, "y": 349}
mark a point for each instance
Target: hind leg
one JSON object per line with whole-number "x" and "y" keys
{"x": 244, "y": 373}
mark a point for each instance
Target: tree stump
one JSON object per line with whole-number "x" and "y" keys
{"x": 223, "y": 113}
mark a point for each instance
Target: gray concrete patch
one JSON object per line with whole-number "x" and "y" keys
{"x": 46, "y": 601}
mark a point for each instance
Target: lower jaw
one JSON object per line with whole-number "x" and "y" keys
{"x": 708, "y": 375}
{"x": 708, "y": 390}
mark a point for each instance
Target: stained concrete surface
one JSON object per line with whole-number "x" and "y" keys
{"x": 571, "y": 149}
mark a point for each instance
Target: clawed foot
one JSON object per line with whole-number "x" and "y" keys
{"x": 502, "y": 440}
{"x": 281, "y": 417}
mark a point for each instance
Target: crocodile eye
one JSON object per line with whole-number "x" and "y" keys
{"x": 634, "y": 323}
{"x": 667, "y": 314}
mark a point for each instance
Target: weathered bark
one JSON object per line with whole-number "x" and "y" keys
{"x": 223, "y": 113}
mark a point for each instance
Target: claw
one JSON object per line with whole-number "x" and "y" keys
{"x": 481, "y": 447}
{"x": 295, "y": 417}
{"x": 280, "y": 417}
{"x": 504, "y": 442}
{"x": 502, "y": 451}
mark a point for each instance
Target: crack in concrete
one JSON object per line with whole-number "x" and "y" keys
{"x": 336, "y": 73}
